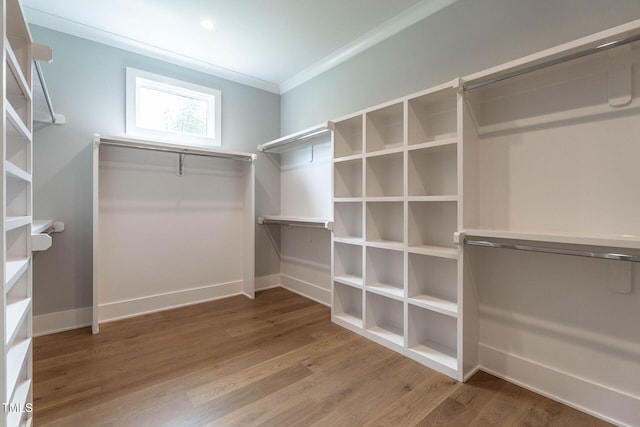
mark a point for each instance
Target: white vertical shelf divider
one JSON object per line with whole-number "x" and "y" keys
{"x": 17, "y": 131}
{"x": 396, "y": 276}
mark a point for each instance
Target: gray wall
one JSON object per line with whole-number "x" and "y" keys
{"x": 87, "y": 84}
{"x": 468, "y": 36}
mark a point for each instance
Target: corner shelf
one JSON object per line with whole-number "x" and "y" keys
{"x": 313, "y": 135}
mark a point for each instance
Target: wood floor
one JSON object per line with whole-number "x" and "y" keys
{"x": 274, "y": 361}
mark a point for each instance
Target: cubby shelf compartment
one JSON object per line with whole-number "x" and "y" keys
{"x": 347, "y": 223}
{"x": 16, "y": 358}
{"x": 431, "y": 228}
{"x": 385, "y": 272}
{"x": 433, "y": 171}
{"x": 347, "y": 135}
{"x": 19, "y": 78}
{"x": 385, "y": 128}
{"x": 20, "y": 396}
{"x": 13, "y": 222}
{"x": 14, "y": 269}
{"x": 385, "y": 224}
{"x": 16, "y": 310}
{"x": 347, "y": 261}
{"x": 433, "y": 116}
{"x": 348, "y": 179}
{"x": 433, "y": 283}
{"x": 385, "y": 318}
{"x": 385, "y": 175}
{"x": 433, "y": 336}
{"x": 347, "y": 304}
{"x": 15, "y": 172}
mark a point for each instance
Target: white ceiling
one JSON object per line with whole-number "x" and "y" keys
{"x": 274, "y": 45}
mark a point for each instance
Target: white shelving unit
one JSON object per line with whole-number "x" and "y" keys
{"x": 17, "y": 213}
{"x": 396, "y": 208}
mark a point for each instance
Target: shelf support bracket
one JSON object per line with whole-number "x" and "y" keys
{"x": 620, "y": 78}
{"x": 181, "y": 161}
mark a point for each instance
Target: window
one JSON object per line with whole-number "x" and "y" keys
{"x": 172, "y": 110}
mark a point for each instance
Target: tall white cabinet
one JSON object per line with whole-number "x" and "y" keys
{"x": 396, "y": 270}
{"x": 17, "y": 212}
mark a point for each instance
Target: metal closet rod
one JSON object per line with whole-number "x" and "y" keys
{"x": 47, "y": 98}
{"x": 177, "y": 151}
{"x": 571, "y": 57}
{"x": 559, "y": 251}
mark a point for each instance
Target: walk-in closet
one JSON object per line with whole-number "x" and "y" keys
{"x": 419, "y": 212}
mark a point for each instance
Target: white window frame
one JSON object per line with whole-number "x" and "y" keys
{"x": 181, "y": 87}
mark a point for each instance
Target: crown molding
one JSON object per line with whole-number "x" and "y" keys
{"x": 389, "y": 28}
{"x": 84, "y": 31}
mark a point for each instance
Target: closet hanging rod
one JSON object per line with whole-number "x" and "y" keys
{"x": 603, "y": 47}
{"x": 45, "y": 90}
{"x": 167, "y": 148}
{"x": 559, "y": 251}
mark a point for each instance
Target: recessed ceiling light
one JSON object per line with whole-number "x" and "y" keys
{"x": 207, "y": 24}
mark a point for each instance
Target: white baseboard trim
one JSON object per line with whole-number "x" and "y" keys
{"x": 109, "y": 312}
{"x": 307, "y": 290}
{"x": 263, "y": 283}
{"x": 60, "y": 321}
{"x": 600, "y": 401}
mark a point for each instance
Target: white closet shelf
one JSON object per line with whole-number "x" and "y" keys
{"x": 143, "y": 144}
{"x": 15, "y": 314}
{"x": 439, "y": 305}
{"x": 297, "y": 140}
{"x": 16, "y": 357}
{"x": 385, "y": 199}
{"x": 395, "y": 148}
{"x": 348, "y": 279}
{"x": 347, "y": 158}
{"x": 16, "y": 125}
{"x": 433, "y": 144}
{"x": 630, "y": 241}
{"x": 348, "y": 199}
{"x": 358, "y": 241}
{"x": 40, "y": 226}
{"x": 386, "y": 290}
{"x": 20, "y": 396}
{"x": 16, "y": 172}
{"x": 443, "y": 198}
{"x": 386, "y": 244}
{"x": 17, "y": 72}
{"x": 297, "y": 221}
{"x": 13, "y": 222}
{"x": 436, "y": 251}
{"x": 388, "y": 333}
{"x": 14, "y": 269}
{"x": 348, "y": 318}
{"x": 437, "y": 353}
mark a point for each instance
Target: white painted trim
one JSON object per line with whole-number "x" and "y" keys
{"x": 603, "y": 402}
{"x": 400, "y": 22}
{"x": 389, "y": 28}
{"x": 268, "y": 282}
{"x": 84, "y": 31}
{"x": 307, "y": 290}
{"x": 109, "y": 312}
{"x": 60, "y": 321}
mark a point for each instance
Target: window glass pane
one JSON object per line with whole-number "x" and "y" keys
{"x": 166, "y": 111}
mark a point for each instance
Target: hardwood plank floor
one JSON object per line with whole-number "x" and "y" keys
{"x": 273, "y": 361}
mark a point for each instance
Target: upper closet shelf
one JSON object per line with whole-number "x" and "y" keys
{"x": 166, "y": 147}
{"x": 43, "y": 106}
{"x": 315, "y": 135}
{"x": 296, "y": 221}
{"x": 618, "y": 36}
{"x": 601, "y": 240}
